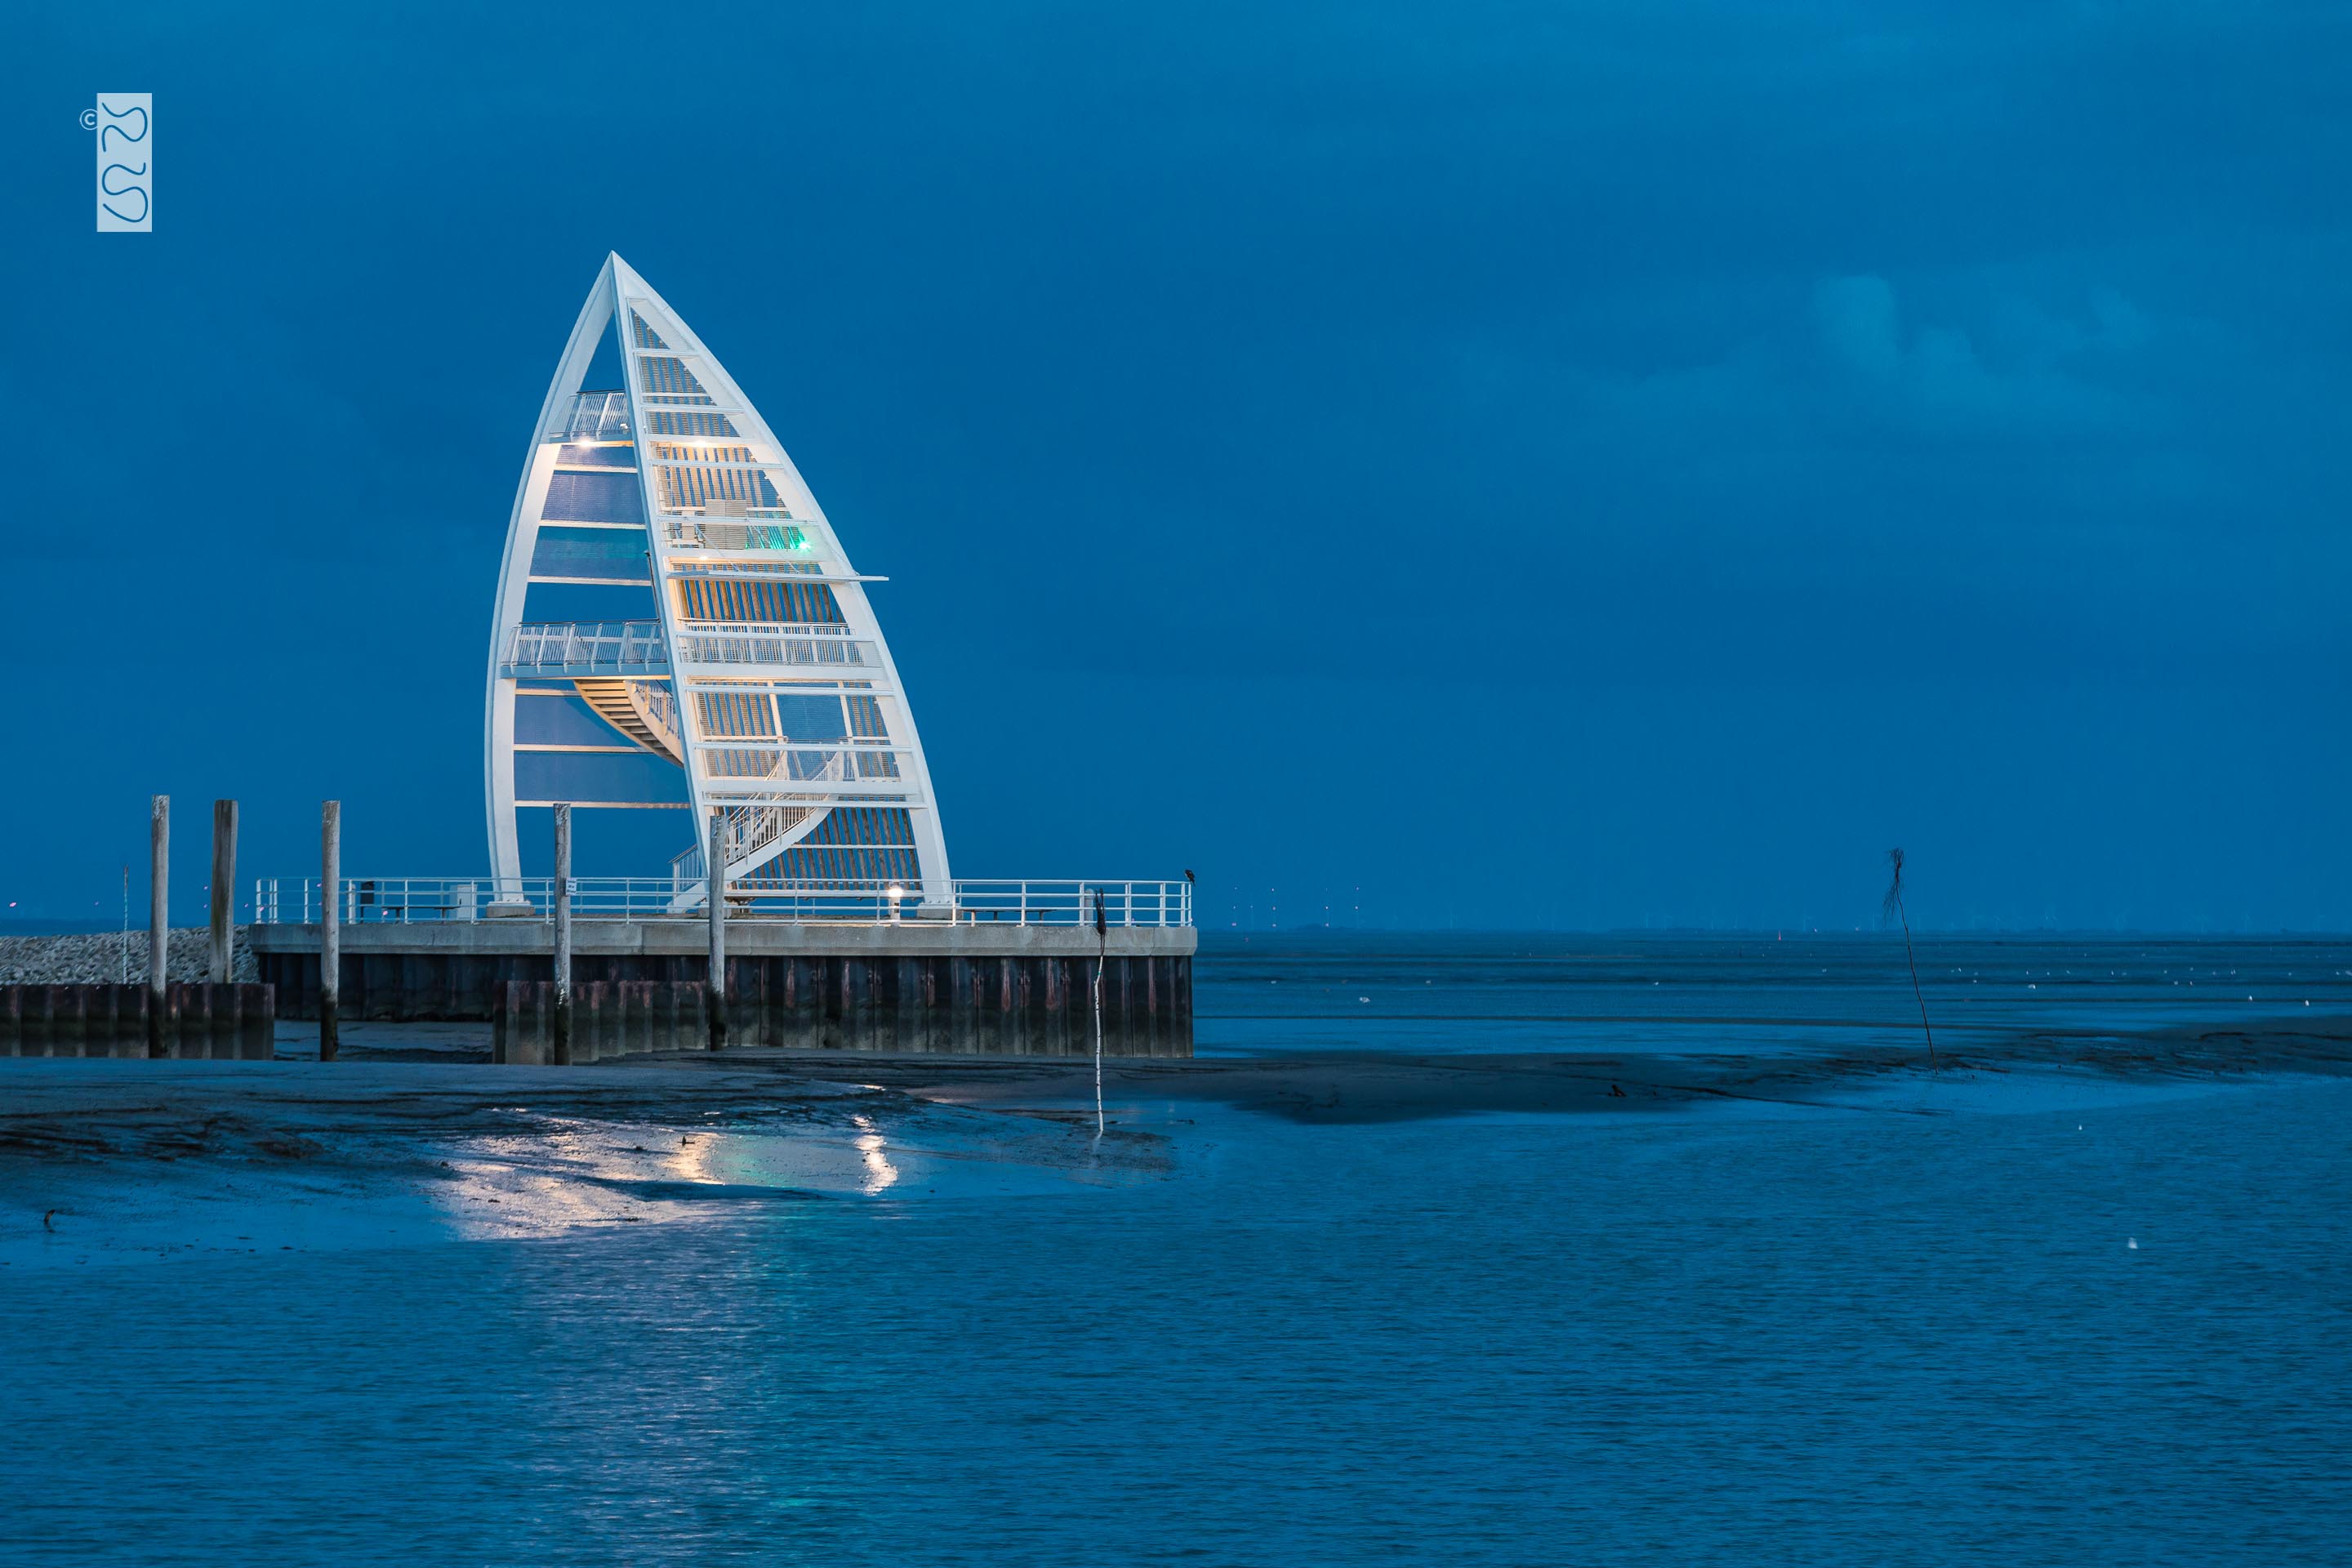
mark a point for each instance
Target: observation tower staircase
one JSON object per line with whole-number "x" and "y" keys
{"x": 644, "y": 711}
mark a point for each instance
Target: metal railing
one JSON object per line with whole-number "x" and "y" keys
{"x": 407, "y": 900}
{"x": 592, "y": 416}
{"x": 589, "y": 647}
{"x": 747, "y": 647}
{"x": 743, "y": 831}
{"x": 745, "y": 532}
{"x": 754, "y": 569}
{"x": 735, "y": 758}
{"x": 636, "y": 648}
{"x": 660, "y": 708}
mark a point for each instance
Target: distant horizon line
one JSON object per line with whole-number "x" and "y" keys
{"x": 1783, "y": 932}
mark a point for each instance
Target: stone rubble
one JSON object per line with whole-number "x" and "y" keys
{"x": 95, "y": 958}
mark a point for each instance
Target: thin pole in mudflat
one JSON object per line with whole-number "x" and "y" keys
{"x": 714, "y": 866}
{"x": 224, "y": 888}
{"x": 330, "y": 924}
{"x": 561, "y": 1053}
{"x": 159, "y": 918}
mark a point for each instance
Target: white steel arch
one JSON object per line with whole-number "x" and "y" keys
{"x": 756, "y": 672}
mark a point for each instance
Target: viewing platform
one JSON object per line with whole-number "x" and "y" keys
{"x": 624, "y": 650}
{"x": 589, "y": 647}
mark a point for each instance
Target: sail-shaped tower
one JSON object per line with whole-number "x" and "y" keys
{"x": 733, "y": 665}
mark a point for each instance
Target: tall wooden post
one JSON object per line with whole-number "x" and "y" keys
{"x": 714, "y": 866}
{"x": 561, "y": 1053}
{"x": 224, "y": 888}
{"x": 1102, "y": 956}
{"x": 331, "y": 926}
{"x": 159, "y": 919}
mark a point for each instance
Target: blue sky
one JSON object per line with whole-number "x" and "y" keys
{"x": 1561, "y": 464}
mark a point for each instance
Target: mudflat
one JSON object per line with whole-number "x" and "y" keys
{"x": 413, "y": 1103}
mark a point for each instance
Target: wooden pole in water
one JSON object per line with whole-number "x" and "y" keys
{"x": 224, "y": 888}
{"x": 561, "y": 1053}
{"x": 1102, "y": 956}
{"x": 714, "y": 867}
{"x": 159, "y": 918}
{"x": 331, "y": 926}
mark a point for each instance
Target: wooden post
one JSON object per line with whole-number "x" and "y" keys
{"x": 561, "y": 1054}
{"x": 159, "y": 918}
{"x": 714, "y": 993}
{"x": 224, "y": 888}
{"x": 331, "y": 926}
{"x": 1102, "y": 956}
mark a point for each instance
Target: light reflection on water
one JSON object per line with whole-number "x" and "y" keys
{"x": 871, "y": 1147}
{"x": 2040, "y": 1323}
{"x": 1829, "y": 1337}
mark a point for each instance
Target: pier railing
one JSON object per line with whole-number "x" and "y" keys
{"x": 367, "y": 900}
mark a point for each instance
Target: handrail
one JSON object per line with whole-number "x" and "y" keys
{"x": 590, "y": 647}
{"x": 789, "y": 646}
{"x": 408, "y": 900}
{"x": 592, "y": 416}
{"x": 768, "y": 529}
{"x": 587, "y": 646}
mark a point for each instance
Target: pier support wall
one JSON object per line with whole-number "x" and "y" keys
{"x": 198, "y": 1021}
{"x": 1008, "y": 991}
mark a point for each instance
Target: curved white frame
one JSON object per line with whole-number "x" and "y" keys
{"x": 618, "y": 291}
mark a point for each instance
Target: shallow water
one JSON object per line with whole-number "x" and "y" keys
{"x": 1754, "y": 995}
{"x": 1979, "y": 1319}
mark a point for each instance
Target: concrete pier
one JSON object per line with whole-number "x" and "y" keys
{"x": 917, "y": 986}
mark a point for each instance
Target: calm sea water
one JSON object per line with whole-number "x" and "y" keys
{"x": 2079, "y": 1323}
{"x": 1281, "y": 995}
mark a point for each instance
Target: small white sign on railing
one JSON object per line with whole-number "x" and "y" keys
{"x": 125, "y": 123}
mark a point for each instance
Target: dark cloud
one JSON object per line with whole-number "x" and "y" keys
{"x": 1647, "y": 431}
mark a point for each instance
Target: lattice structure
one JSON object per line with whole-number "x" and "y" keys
{"x": 735, "y": 667}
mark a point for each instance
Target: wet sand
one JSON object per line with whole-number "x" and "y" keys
{"x": 122, "y": 1160}
{"x": 406, "y": 1142}
{"x": 1339, "y": 1087}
